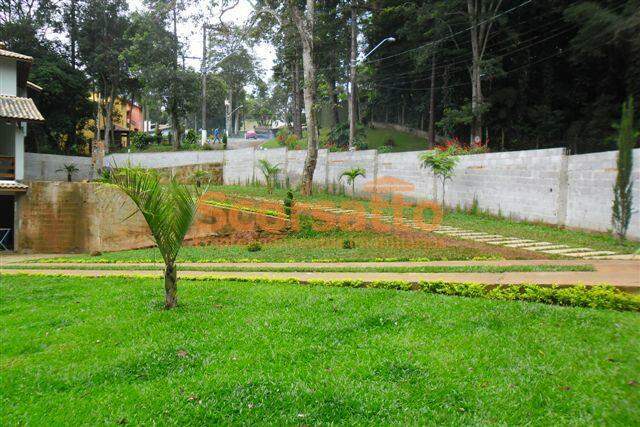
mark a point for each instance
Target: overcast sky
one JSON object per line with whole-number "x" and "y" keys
{"x": 191, "y": 34}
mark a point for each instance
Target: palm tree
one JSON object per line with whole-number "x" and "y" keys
{"x": 168, "y": 210}
{"x": 270, "y": 173}
{"x": 70, "y": 169}
{"x": 351, "y": 176}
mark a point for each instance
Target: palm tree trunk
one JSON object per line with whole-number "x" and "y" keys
{"x": 353, "y": 188}
{"x": 170, "y": 285}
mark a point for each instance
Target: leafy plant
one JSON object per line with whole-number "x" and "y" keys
{"x": 442, "y": 164}
{"x": 348, "y": 244}
{"x": 623, "y": 188}
{"x": 339, "y": 136}
{"x": 288, "y": 204}
{"x": 168, "y": 210}
{"x": 270, "y": 173}
{"x": 69, "y": 169}
{"x": 254, "y": 247}
{"x": 351, "y": 176}
{"x": 225, "y": 139}
{"x": 200, "y": 176}
{"x": 141, "y": 140}
{"x": 191, "y": 138}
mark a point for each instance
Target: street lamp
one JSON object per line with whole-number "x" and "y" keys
{"x": 352, "y": 95}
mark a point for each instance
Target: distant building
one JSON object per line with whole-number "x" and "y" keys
{"x": 16, "y": 110}
{"x": 127, "y": 117}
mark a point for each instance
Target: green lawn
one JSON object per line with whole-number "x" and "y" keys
{"x": 374, "y": 138}
{"x": 475, "y": 222}
{"x": 320, "y": 247}
{"x": 333, "y": 269}
{"x": 102, "y": 351}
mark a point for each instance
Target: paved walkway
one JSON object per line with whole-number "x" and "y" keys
{"x": 623, "y": 274}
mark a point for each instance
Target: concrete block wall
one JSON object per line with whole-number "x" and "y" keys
{"x": 537, "y": 185}
{"x": 590, "y": 179}
{"x": 521, "y": 184}
{"x": 44, "y": 167}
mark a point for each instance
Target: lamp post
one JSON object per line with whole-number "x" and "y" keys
{"x": 352, "y": 81}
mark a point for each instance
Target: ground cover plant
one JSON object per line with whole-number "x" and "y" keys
{"x": 309, "y": 245}
{"x": 474, "y": 220}
{"x": 103, "y": 351}
{"x": 255, "y": 247}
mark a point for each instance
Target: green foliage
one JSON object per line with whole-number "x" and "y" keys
{"x": 254, "y": 247}
{"x": 351, "y": 175}
{"x": 442, "y": 164}
{"x": 141, "y": 140}
{"x": 225, "y": 139}
{"x": 348, "y": 244}
{"x": 168, "y": 210}
{"x": 191, "y": 138}
{"x": 270, "y": 173}
{"x": 288, "y": 204}
{"x": 69, "y": 169}
{"x": 623, "y": 188}
{"x": 338, "y": 137}
{"x": 201, "y": 176}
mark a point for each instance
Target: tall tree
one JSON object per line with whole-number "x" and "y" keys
{"x": 101, "y": 43}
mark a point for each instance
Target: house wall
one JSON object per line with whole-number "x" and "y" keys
{"x": 8, "y": 77}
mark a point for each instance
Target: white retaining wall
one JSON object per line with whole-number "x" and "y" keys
{"x": 44, "y": 167}
{"x": 537, "y": 185}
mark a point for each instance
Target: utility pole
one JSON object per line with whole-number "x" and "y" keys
{"x": 352, "y": 76}
{"x": 204, "y": 84}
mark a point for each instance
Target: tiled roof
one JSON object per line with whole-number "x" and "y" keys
{"x": 13, "y": 185}
{"x": 19, "y": 109}
{"x": 14, "y": 55}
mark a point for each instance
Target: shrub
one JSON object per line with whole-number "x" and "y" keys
{"x": 191, "y": 138}
{"x": 225, "y": 139}
{"x": 384, "y": 149}
{"x": 623, "y": 188}
{"x": 456, "y": 147}
{"x": 254, "y": 247}
{"x": 348, "y": 244}
{"x": 141, "y": 140}
{"x": 339, "y": 136}
{"x": 288, "y": 204}
{"x": 390, "y": 142}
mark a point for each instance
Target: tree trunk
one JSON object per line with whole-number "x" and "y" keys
{"x": 305, "y": 28}
{"x": 175, "y": 119}
{"x": 333, "y": 93}
{"x": 229, "y": 111}
{"x": 432, "y": 104}
{"x": 297, "y": 104}
{"x": 236, "y": 123}
{"x": 352, "y": 77}
{"x": 170, "y": 286}
{"x": 108, "y": 122}
{"x": 175, "y": 129}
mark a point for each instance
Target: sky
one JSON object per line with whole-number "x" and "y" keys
{"x": 191, "y": 34}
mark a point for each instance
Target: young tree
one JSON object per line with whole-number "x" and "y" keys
{"x": 442, "y": 164}
{"x": 351, "y": 175}
{"x": 623, "y": 188}
{"x": 270, "y": 173}
{"x": 169, "y": 211}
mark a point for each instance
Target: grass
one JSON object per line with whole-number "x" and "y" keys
{"x": 318, "y": 247}
{"x": 102, "y": 351}
{"x": 479, "y": 221}
{"x": 374, "y": 138}
{"x": 334, "y": 269}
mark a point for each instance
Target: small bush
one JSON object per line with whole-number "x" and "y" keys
{"x": 254, "y": 247}
{"x": 141, "y": 140}
{"x": 288, "y": 204}
{"x": 191, "y": 138}
{"x": 207, "y": 147}
{"x": 384, "y": 149}
{"x": 225, "y": 139}
{"x": 390, "y": 142}
{"x": 348, "y": 244}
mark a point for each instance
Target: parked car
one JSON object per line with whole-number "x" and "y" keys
{"x": 250, "y": 134}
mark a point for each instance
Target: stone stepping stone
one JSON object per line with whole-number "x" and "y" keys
{"x": 568, "y": 250}
{"x": 489, "y": 237}
{"x": 470, "y": 235}
{"x": 615, "y": 256}
{"x": 530, "y": 244}
{"x": 544, "y": 248}
{"x": 589, "y": 254}
{"x": 504, "y": 242}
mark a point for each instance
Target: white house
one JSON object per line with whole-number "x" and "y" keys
{"x": 16, "y": 110}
